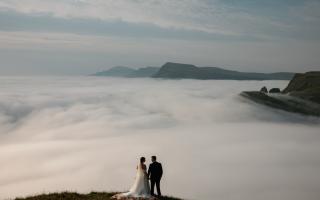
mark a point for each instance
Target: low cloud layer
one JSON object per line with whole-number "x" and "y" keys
{"x": 86, "y": 133}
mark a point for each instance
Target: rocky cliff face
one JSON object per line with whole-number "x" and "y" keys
{"x": 302, "y": 95}
{"x": 284, "y": 102}
{"x": 305, "y": 86}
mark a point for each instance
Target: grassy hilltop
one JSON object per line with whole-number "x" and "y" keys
{"x": 76, "y": 196}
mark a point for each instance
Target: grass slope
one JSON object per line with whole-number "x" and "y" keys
{"x": 76, "y": 196}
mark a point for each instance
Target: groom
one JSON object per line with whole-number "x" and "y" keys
{"x": 155, "y": 173}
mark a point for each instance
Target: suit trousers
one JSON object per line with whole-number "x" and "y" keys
{"x": 157, "y": 183}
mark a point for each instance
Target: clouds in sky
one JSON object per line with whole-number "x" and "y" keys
{"x": 167, "y": 14}
{"x": 212, "y": 16}
{"x": 239, "y": 24}
{"x": 87, "y": 133}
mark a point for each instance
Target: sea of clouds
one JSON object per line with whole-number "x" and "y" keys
{"x": 87, "y": 133}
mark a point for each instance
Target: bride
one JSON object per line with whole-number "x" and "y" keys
{"x": 140, "y": 188}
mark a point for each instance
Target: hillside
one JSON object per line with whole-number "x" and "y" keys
{"x": 144, "y": 72}
{"x": 182, "y": 71}
{"x": 121, "y": 71}
{"x": 118, "y": 71}
{"x": 305, "y": 86}
{"x": 302, "y": 95}
{"x": 187, "y": 71}
{"x": 76, "y": 196}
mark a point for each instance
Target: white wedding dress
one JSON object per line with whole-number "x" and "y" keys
{"x": 140, "y": 188}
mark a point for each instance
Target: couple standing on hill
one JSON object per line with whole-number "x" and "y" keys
{"x": 141, "y": 187}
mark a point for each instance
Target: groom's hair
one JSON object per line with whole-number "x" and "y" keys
{"x": 154, "y": 157}
{"x": 142, "y": 159}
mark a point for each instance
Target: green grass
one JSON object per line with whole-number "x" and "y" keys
{"x": 76, "y": 196}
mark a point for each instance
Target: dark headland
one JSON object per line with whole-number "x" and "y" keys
{"x": 187, "y": 71}
{"x": 302, "y": 95}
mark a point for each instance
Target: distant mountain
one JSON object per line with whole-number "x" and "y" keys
{"x": 187, "y": 71}
{"x": 121, "y": 71}
{"x": 118, "y": 71}
{"x": 145, "y": 72}
{"x": 180, "y": 71}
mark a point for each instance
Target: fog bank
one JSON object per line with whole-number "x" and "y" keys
{"x": 87, "y": 133}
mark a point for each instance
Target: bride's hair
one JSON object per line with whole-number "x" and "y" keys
{"x": 142, "y": 159}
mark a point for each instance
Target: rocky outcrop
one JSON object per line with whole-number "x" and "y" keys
{"x": 284, "y": 102}
{"x": 275, "y": 90}
{"x": 302, "y": 95}
{"x": 264, "y": 89}
{"x": 305, "y": 86}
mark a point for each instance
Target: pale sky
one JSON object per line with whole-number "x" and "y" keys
{"x": 74, "y": 37}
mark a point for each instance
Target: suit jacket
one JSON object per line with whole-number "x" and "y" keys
{"x": 155, "y": 171}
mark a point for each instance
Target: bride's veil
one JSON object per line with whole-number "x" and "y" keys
{"x": 139, "y": 169}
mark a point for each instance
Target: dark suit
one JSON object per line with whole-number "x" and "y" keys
{"x": 155, "y": 173}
